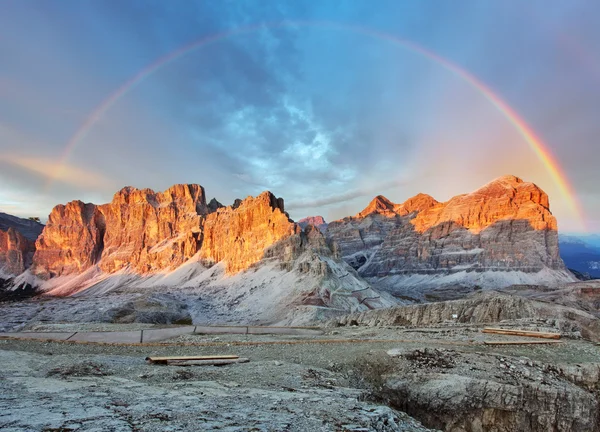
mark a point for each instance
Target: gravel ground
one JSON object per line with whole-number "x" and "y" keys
{"x": 292, "y": 383}
{"x": 98, "y": 392}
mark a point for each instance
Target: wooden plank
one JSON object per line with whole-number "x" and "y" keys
{"x": 521, "y": 333}
{"x": 522, "y": 342}
{"x": 188, "y": 358}
{"x": 206, "y": 362}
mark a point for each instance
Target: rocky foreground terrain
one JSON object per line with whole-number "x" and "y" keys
{"x": 367, "y": 377}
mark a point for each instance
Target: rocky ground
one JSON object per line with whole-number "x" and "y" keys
{"x": 350, "y": 378}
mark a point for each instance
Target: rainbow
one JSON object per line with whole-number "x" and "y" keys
{"x": 535, "y": 143}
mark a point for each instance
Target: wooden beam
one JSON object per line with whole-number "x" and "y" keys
{"x": 521, "y": 333}
{"x": 206, "y": 362}
{"x": 190, "y": 358}
{"x": 522, "y": 342}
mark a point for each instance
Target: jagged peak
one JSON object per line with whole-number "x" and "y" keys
{"x": 417, "y": 203}
{"x": 214, "y": 205}
{"x": 313, "y": 220}
{"x": 265, "y": 197}
{"x": 380, "y": 205}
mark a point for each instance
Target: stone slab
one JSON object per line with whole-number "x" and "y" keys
{"x": 156, "y": 335}
{"x": 39, "y": 335}
{"x": 108, "y": 337}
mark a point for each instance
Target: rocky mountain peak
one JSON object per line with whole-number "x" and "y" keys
{"x": 214, "y": 205}
{"x": 317, "y": 221}
{"x": 380, "y": 205}
{"x": 506, "y": 198}
{"x": 504, "y": 225}
{"x": 417, "y": 203}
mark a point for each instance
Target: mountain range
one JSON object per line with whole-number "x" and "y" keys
{"x": 581, "y": 254}
{"x": 250, "y": 262}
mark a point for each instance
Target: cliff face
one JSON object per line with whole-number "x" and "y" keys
{"x": 15, "y": 252}
{"x": 145, "y": 232}
{"x": 505, "y": 225}
{"x": 239, "y": 236}
{"x": 17, "y": 243}
{"x": 71, "y": 241}
{"x": 148, "y": 231}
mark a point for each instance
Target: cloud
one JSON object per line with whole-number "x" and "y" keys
{"x": 52, "y": 170}
{"x": 344, "y": 197}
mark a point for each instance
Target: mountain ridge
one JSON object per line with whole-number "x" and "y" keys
{"x": 144, "y": 239}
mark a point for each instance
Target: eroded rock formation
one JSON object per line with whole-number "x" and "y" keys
{"x": 240, "y": 235}
{"x": 144, "y": 231}
{"x": 15, "y": 252}
{"x": 505, "y": 225}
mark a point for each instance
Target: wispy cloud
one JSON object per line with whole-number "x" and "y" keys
{"x": 55, "y": 171}
{"x": 344, "y": 197}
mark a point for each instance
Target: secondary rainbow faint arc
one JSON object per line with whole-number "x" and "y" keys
{"x": 536, "y": 144}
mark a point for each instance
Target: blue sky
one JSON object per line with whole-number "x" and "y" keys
{"x": 304, "y": 106}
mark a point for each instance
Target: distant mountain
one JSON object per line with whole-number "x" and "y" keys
{"x": 581, "y": 253}
{"x": 317, "y": 221}
{"x": 28, "y": 228}
{"x": 499, "y": 235}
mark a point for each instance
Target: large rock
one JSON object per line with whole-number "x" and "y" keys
{"x": 506, "y": 225}
{"x": 16, "y": 252}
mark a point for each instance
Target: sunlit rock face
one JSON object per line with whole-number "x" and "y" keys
{"x": 71, "y": 241}
{"x": 148, "y": 231}
{"x": 144, "y": 231}
{"x": 505, "y": 225}
{"x": 240, "y": 234}
{"x": 17, "y": 243}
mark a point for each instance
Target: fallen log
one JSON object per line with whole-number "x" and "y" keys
{"x": 524, "y": 333}
{"x": 165, "y": 360}
{"x": 521, "y": 342}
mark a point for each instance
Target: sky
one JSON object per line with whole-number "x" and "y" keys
{"x": 325, "y": 103}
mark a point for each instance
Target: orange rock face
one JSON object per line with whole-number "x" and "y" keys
{"x": 144, "y": 232}
{"x": 239, "y": 236}
{"x": 147, "y": 231}
{"x": 508, "y": 197}
{"x": 505, "y": 225}
{"x": 71, "y": 241}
